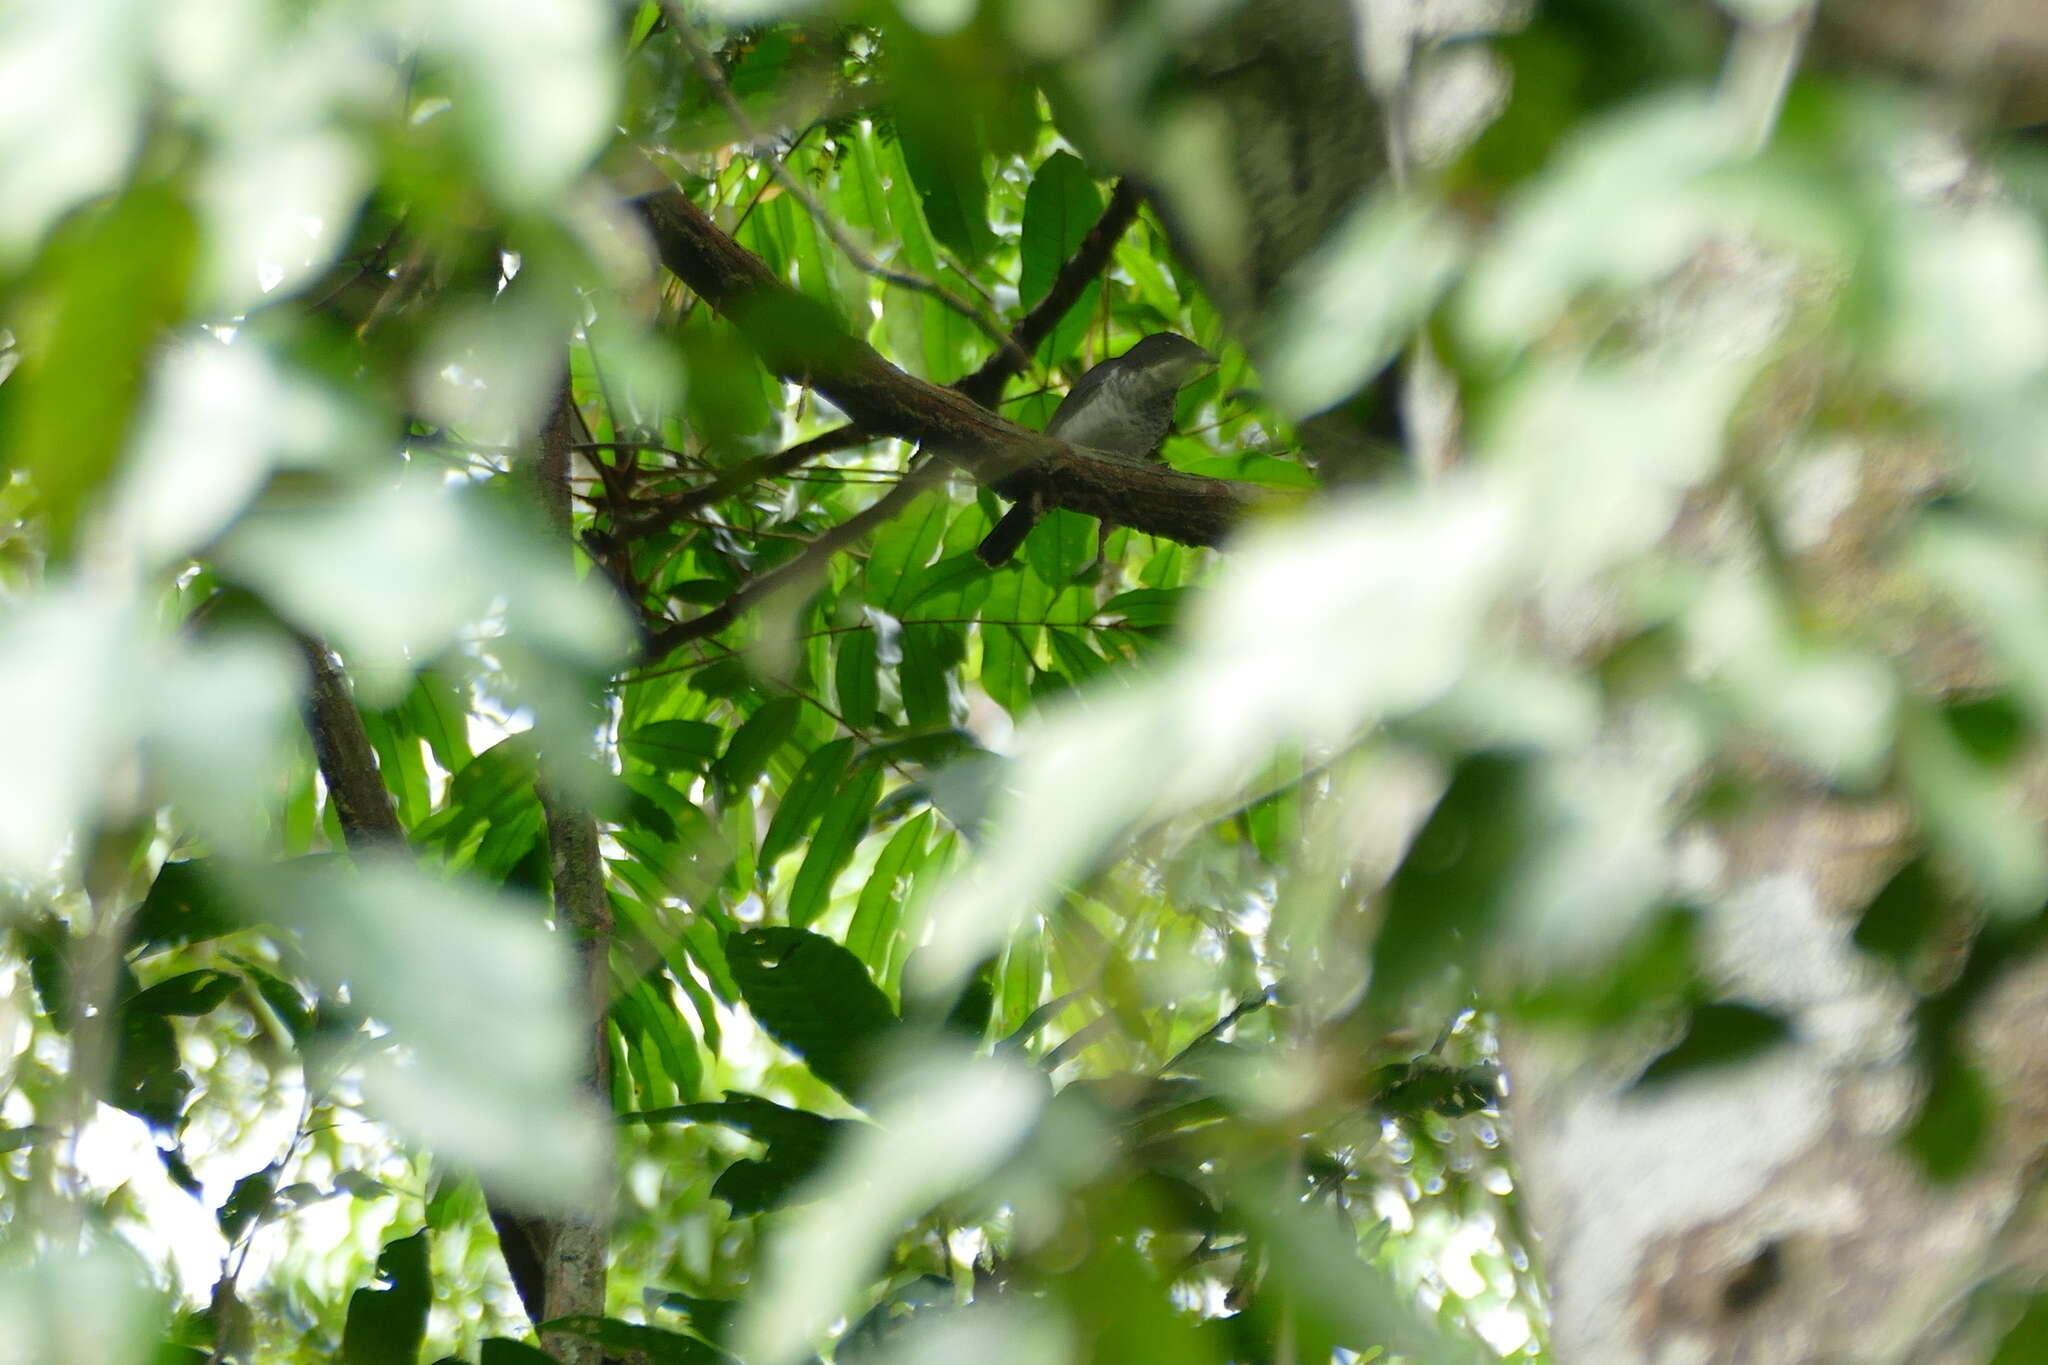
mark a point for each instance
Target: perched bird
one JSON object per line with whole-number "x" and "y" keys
{"x": 1123, "y": 406}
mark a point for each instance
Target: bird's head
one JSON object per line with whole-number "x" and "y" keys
{"x": 1169, "y": 357}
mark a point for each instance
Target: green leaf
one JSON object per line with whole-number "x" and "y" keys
{"x": 841, "y": 826}
{"x": 809, "y": 791}
{"x": 814, "y": 998}
{"x": 147, "y": 1079}
{"x": 935, "y": 583}
{"x": 1077, "y": 660}
{"x": 1252, "y": 467}
{"x": 388, "y": 1325}
{"x": 1059, "y": 208}
{"x": 1059, "y": 545}
{"x": 755, "y": 742}
{"x": 928, "y": 652}
{"x": 436, "y": 712}
{"x": 856, "y": 686}
{"x": 2026, "y": 1341}
{"x": 950, "y": 188}
{"x": 1717, "y": 1035}
{"x": 246, "y": 1202}
{"x": 1903, "y": 916}
{"x": 1005, "y": 656}
{"x": 904, "y": 545}
{"x": 652, "y": 1344}
{"x": 184, "y": 905}
{"x": 871, "y": 937}
{"x": 673, "y": 745}
{"x": 192, "y": 993}
{"x": 1147, "y": 607}
{"x": 504, "y": 1350}
{"x": 1459, "y": 871}
{"x": 14, "y": 1139}
{"x": 797, "y": 1141}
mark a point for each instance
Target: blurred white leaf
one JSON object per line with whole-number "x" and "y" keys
{"x": 1833, "y": 708}
{"x": 2001, "y": 581}
{"x": 393, "y": 575}
{"x": 1605, "y": 855}
{"x": 1320, "y": 624}
{"x": 492, "y": 1033}
{"x": 221, "y": 717}
{"x": 219, "y": 418}
{"x": 1353, "y": 304}
{"x": 1972, "y": 313}
{"x": 1968, "y": 810}
{"x": 1602, "y": 457}
{"x": 945, "y": 1122}
{"x": 68, "y": 700}
{"x": 490, "y": 370}
{"x": 1763, "y": 11}
{"x": 58, "y": 1307}
{"x": 71, "y": 78}
{"x": 542, "y": 84}
{"x": 278, "y": 204}
{"x": 1623, "y": 206}
{"x": 1002, "y": 1333}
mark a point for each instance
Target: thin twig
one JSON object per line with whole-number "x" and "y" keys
{"x": 807, "y": 565}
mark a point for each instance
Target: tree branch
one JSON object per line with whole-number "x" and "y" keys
{"x": 797, "y": 339}
{"x": 984, "y": 386}
{"x": 576, "y": 1246}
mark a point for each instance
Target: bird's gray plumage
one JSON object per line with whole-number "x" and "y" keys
{"x": 1123, "y": 406}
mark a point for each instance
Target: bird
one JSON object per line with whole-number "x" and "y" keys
{"x": 1123, "y": 406}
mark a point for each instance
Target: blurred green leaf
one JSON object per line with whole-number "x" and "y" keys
{"x": 246, "y": 1202}
{"x": 189, "y": 993}
{"x": 1951, "y": 1132}
{"x": 113, "y": 281}
{"x": 796, "y": 1139}
{"x": 950, "y": 187}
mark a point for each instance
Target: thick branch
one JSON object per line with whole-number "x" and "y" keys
{"x": 797, "y": 339}
{"x": 576, "y": 1246}
{"x": 984, "y": 386}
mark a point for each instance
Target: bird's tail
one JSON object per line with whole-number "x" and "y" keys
{"x": 1001, "y": 543}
